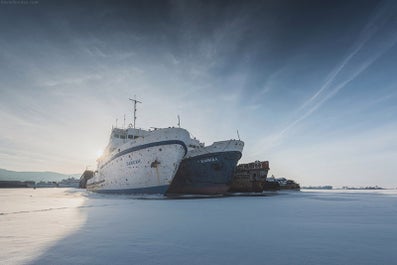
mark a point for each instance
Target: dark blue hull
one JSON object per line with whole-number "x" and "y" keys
{"x": 207, "y": 174}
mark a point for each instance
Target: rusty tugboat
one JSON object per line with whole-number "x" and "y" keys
{"x": 250, "y": 177}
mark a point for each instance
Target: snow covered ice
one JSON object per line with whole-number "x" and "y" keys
{"x": 70, "y": 226}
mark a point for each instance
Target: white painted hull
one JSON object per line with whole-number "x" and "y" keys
{"x": 146, "y": 165}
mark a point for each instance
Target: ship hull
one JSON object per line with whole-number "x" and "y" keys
{"x": 145, "y": 190}
{"x": 207, "y": 174}
{"x": 145, "y": 168}
{"x": 247, "y": 186}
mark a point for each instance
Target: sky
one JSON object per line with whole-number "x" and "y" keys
{"x": 310, "y": 86}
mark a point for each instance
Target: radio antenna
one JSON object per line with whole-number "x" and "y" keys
{"x": 135, "y": 101}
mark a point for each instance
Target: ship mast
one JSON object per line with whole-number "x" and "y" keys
{"x": 135, "y": 101}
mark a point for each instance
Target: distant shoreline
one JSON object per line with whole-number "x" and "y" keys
{"x": 346, "y": 188}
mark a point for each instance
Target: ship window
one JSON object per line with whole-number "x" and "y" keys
{"x": 117, "y": 136}
{"x": 122, "y": 136}
{"x": 130, "y": 137}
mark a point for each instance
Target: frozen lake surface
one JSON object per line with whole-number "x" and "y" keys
{"x": 70, "y": 226}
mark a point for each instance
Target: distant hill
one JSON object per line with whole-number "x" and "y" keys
{"x": 34, "y": 176}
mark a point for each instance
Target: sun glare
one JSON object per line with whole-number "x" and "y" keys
{"x": 99, "y": 153}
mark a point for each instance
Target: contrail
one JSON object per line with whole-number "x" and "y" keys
{"x": 338, "y": 87}
{"x": 368, "y": 32}
{"x": 371, "y": 28}
{"x": 334, "y": 73}
{"x": 276, "y": 139}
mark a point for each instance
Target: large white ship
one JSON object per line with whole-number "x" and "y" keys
{"x": 140, "y": 161}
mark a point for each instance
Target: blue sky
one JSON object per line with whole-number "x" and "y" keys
{"x": 310, "y": 85}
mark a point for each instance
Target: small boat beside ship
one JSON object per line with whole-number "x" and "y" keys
{"x": 274, "y": 184}
{"x": 87, "y": 174}
{"x": 207, "y": 170}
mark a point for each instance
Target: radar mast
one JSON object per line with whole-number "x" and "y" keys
{"x": 135, "y": 102}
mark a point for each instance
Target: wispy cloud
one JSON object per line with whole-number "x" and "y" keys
{"x": 272, "y": 80}
{"x": 72, "y": 81}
